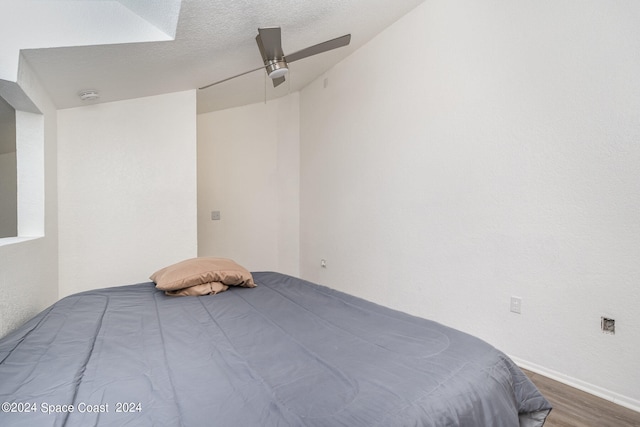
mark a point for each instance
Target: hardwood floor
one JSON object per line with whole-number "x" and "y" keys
{"x": 575, "y": 408}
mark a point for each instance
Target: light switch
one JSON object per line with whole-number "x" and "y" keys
{"x": 516, "y": 305}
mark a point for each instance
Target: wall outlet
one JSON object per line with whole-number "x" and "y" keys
{"x": 516, "y": 305}
{"x": 323, "y": 263}
{"x": 608, "y": 325}
{"x": 215, "y": 215}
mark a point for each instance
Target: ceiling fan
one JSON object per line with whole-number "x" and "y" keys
{"x": 276, "y": 63}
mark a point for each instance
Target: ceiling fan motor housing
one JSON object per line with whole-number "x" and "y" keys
{"x": 276, "y": 68}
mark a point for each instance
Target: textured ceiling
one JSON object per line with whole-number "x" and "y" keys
{"x": 214, "y": 39}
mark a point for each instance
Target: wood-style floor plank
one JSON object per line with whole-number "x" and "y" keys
{"x": 575, "y": 408}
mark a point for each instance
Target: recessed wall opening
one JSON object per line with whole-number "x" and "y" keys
{"x": 21, "y": 166}
{"x": 8, "y": 171}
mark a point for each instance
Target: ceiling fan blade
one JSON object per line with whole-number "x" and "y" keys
{"x": 319, "y": 48}
{"x": 229, "y": 78}
{"x": 278, "y": 81}
{"x": 270, "y": 43}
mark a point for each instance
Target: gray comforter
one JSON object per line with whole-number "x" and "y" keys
{"x": 286, "y": 353}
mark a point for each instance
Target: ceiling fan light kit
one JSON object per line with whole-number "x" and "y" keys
{"x": 276, "y": 68}
{"x": 276, "y": 63}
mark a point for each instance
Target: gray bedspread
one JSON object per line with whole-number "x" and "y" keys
{"x": 286, "y": 353}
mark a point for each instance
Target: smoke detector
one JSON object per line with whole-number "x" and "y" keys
{"x": 89, "y": 95}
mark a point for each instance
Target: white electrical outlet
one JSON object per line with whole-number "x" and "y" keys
{"x": 323, "y": 263}
{"x": 516, "y": 305}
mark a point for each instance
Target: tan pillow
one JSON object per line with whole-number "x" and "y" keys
{"x": 211, "y": 288}
{"x": 196, "y": 271}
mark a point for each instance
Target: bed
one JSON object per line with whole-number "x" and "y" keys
{"x": 285, "y": 353}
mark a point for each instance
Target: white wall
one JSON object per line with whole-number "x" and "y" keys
{"x": 38, "y": 24}
{"x": 127, "y": 190}
{"x": 497, "y": 157}
{"x": 29, "y": 263}
{"x": 248, "y": 169}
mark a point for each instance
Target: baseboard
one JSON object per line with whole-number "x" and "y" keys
{"x": 602, "y": 393}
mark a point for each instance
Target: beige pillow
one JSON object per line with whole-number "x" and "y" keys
{"x": 210, "y": 288}
{"x": 197, "y": 271}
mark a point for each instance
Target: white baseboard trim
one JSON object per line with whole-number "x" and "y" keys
{"x": 603, "y": 393}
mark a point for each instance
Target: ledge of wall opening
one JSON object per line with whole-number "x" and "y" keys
{"x": 29, "y": 164}
{"x": 5, "y": 241}
{"x": 15, "y": 96}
